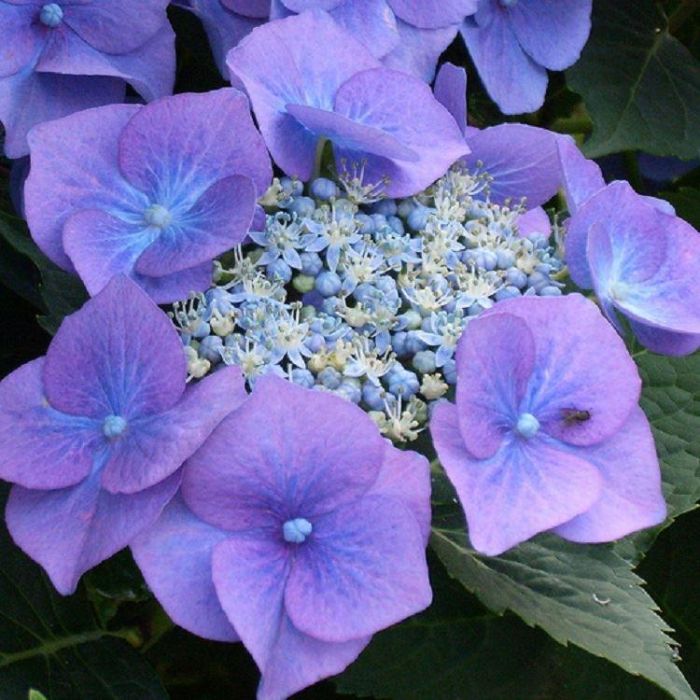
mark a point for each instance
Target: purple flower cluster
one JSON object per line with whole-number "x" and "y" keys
{"x": 637, "y": 256}
{"x": 61, "y": 57}
{"x": 299, "y": 530}
{"x": 541, "y": 437}
{"x": 302, "y": 94}
{"x": 93, "y": 434}
{"x": 404, "y": 34}
{"x": 512, "y": 42}
{"x": 159, "y": 191}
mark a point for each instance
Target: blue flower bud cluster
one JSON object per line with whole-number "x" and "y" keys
{"x": 362, "y": 296}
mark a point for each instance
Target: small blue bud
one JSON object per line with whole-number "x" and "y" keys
{"x": 396, "y": 225}
{"x": 303, "y": 377}
{"x": 202, "y": 330}
{"x": 330, "y": 377}
{"x": 328, "y": 283}
{"x": 113, "y": 426}
{"x": 538, "y": 280}
{"x": 550, "y": 291}
{"x": 279, "y": 270}
{"x": 293, "y": 187}
{"x": 379, "y": 221}
{"x": 405, "y": 207}
{"x": 506, "y": 259}
{"x": 330, "y": 305}
{"x": 315, "y": 342}
{"x": 424, "y": 361}
{"x": 404, "y": 385}
{"x": 516, "y": 277}
{"x": 418, "y": 218}
{"x": 373, "y": 396}
{"x": 311, "y": 264}
{"x": 51, "y": 15}
{"x": 210, "y": 348}
{"x": 449, "y": 371}
{"x": 414, "y": 344}
{"x": 302, "y": 206}
{"x": 509, "y": 292}
{"x": 366, "y": 223}
{"x": 527, "y": 425}
{"x": 350, "y": 390}
{"x": 398, "y": 343}
{"x": 323, "y": 189}
{"x": 412, "y": 319}
{"x": 487, "y": 259}
{"x": 296, "y": 531}
{"x": 387, "y": 207}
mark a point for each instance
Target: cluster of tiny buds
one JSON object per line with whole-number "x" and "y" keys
{"x": 362, "y": 296}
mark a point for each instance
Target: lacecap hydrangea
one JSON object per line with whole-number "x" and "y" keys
{"x": 345, "y": 291}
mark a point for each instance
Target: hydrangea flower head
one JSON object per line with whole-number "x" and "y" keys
{"x": 387, "y": 287}
{"x": 160, "y": 190}
{"x": 61, "y": 57}
{"x": 514, "y": 42}
{"x": 300, "y": 529}
{"x": 94, "y": 433}
{"x": 546, "y": 432}
{"x": 302, "y": 92}
{"x": 641, "y": 260}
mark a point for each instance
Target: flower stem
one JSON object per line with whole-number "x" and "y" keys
{"x": 320, "y": 146}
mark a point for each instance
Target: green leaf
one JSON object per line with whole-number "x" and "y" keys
{"x": 671, "y": 570}
{"x": 457, "y": 649}
{"x": 585, "y": 595}
{"x": 687, "y": 203}
{"x": 640, "y": 85}
{"x": 53, "y": 644}
{"x": 671, "y": 401}
{"x": 60, "y": 292}
{"x": 36, "y": 695}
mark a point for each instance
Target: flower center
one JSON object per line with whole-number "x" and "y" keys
{"x": 157, "y": 215}
{"x": 113, "y": 426}
{"x": 295, "y": 531}
{"x": 509, "y": 3}
{"x": 527, "y": 425}
{"x": 51, "y": 15}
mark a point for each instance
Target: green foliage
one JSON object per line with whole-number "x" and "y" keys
{"x": 585, "y": 595}
{"x": 671, "y": 401}
{"x": 686, "y": 200}
{"x": 60, "y": 293}
{"x": 458, "y": 649}
{"x": 641, "y": 86}
{"x": 53, "y": 646}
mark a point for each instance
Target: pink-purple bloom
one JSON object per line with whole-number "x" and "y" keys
{"x": 406, "y": 35}
{"x": 641, "y": 261}
{"x": 635, "y": 253}
{"x": 94, "y": 433}
{"x": 546, "y": 432}
{"x": 154, "y": 192}
{"x": 514, "y": 42}
{"x": 300, "y": 530}
{"x": 382, "y": 123}
{"x": 61, "y": 57}
{"x": 522, "y": 161}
